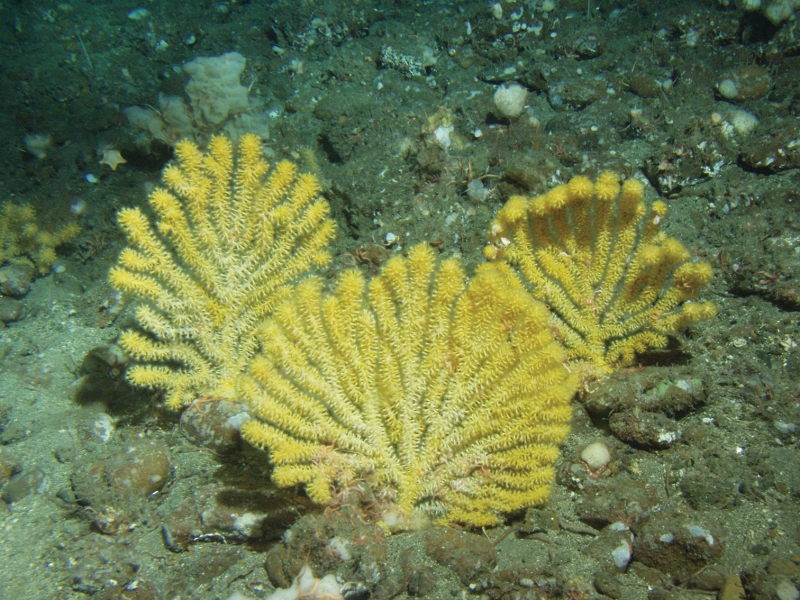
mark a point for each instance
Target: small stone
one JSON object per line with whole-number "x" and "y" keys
{"x": 10, "y": 309}
{"x": 607, "y": 585}
{"x": 691, "y": 548}
{"x": 215, "y": 425}
{"x": 750, "y": 82}
{"x": 15, "y": 279}
{"x": 131, "y": 471}
{"x": 644, "y": 429}
{"x": 783, "y": 567}
{"x": 23, "y": 484}
{"x": 421, "y": 584}
{"x": 470, "y": 556}
{"x": 622, "y": 555}
{"x": 785, "y": 590}
{"x": 103, "y": 427}
{"x": 9, "y": 465}
{"x": 537, "y": 521}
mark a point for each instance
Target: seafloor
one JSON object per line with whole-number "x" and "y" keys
{"x": 701, "y": 495}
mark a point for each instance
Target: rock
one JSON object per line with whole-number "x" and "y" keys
{"x": 576, "y": 92}
{"x": 649, "y": 430}
{"x": 750, "y": 82}
{"x": 675, "y": 167}
{"x": 672, "y": 391}
{"x": 309, "y": 541}
{"x": 116, "y": 482}
{"x": 638, "y": 406}
{"x": 242, "y": 514}
{"x": 469, "y": 555}
{"x": 22, "y": 484}
{"x": 537, "y": 521}
{"x": 9, "y": 465}
{"x": 783, "y": 567}
{"x": 16, "y": 278}
{"x": 645, "y": 86}
{"x": 584, "y": 45}
{"x": 10, "y": 309}
{"x": 215, "y": 425}
{"x": 628, "y": 499}
{"x": 705, "y": 489}
{"x": 773, "y": 151}
{"x": 608, "y": 585}
{"x": 677, "y": 546}
{"x": 785, "y": 590}
{"x": 421, "y": 585}
{"x": 612, "y": 549}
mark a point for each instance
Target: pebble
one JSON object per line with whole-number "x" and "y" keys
{"x": 785, "y": 590}
{"x": 10, "y": 309}
{"x": 215, "y": 425}
{"x": 23, "y": 484}
{"x": 15, "y": 279}
{"x": 608, "y": 585}
{"x": 745, "y": 83}
{"x": 785, "y": 427}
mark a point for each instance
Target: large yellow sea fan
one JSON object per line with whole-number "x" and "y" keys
{"x": 230, "y": 235}
{"x": 616, "y": 284}
{"x": 448, "y": 400}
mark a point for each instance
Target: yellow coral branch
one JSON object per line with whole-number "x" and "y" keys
{"x": 21, "y": 237}
{"x": 616, "y": 284}
{"x": 223, "y": 249}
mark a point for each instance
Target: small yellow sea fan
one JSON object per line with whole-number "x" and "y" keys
{"x": 616, "y": 284}
{"x": 21, "y": 236}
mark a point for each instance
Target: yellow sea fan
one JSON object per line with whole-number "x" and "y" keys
{"x": 615, "y": 283}
{"x": 449, "y": 400}
{"x": 21, "y": 236}
{"x": 230, "y": 235}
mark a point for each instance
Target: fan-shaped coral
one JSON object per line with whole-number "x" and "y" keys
{"x": 616, "y": 283}
{"x": 230, "y": 236}
{"x": 444, "y": 399}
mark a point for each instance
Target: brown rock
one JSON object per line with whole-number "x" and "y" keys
{"x": 773, "y": 151}
{"x": 676, "y": 546}
{"x": 214, "y": 425}
{"x": 752, "y": 82}
{"x": 16, "y": 278}
{"x": 10, "y": 309}
{"x": 134, "y": 471}
{"x": 22, "y": 485}
{"x": 783, "y": 567}
{"x": 645, "y": 86}
{"x": 576, "y": 92}
{"x": 644, "y": 429}
{"x": 468, "y": 555}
